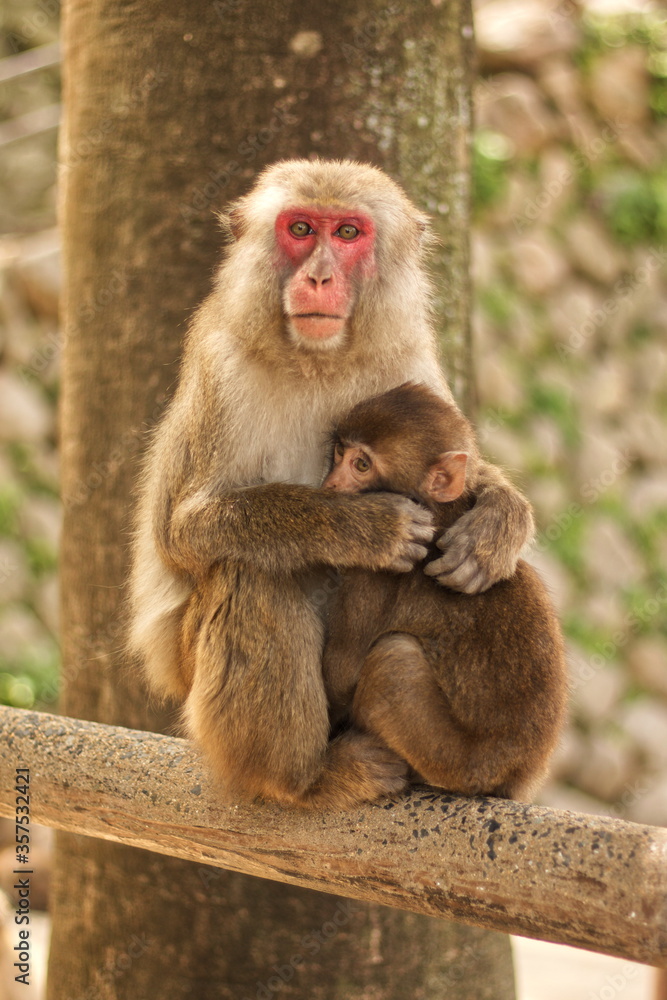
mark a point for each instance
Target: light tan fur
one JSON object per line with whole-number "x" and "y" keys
{"x": 228, "y": 493}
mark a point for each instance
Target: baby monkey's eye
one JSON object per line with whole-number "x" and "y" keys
{"x": 339, "y": 449}
{"x": 361, "y": 464}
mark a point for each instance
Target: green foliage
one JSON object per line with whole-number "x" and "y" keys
{"x": 635, "y": 206}
{"x": 10, "y": 500}
{"x": 602, "y": 32}
{"x": 41, "y": 556}
{"x": 564, "y": 538}
{"x": 579, "y": 629}
{"x": 28, "y": 466}
{"x": 489, "y": 175}
{"x": 649, "y": 535}
{"x": 31, "y": 678}
{"x": 658, "y": 98}
{"x": 647, "y": 606}
{"x": 641, "y": 333}
{"x": 497, "y": 302}
{"x": 17, "y": 690}
{"x": 556, "y": 402}
{"x": 647, "y": 29}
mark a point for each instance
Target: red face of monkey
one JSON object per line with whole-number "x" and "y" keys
{"x": 328, "y": 252}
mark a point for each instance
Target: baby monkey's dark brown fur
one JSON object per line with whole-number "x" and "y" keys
{"x": 470, "y": 690}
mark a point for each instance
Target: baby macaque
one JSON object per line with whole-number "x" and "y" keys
{"x": 469, "y": 689}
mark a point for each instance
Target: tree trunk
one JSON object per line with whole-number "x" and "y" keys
{"x": 171, "y": 109}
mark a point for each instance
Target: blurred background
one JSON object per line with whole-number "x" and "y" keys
{"x": 569, "y": 250}
{"x": 569, "y": 255}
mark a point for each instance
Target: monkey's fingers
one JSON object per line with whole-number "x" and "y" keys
{"x": 478, "y": 551}
{"x": 467, "y": 577}
{"x": 408, "y": 559}
{"x": 459, "y": 567}
{"x": 419, "y": 532}
{"x": 405, "y": 544}
{"x": 422, "y": 534}
{"x": 419, "y": 521}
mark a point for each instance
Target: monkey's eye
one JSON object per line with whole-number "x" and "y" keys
{"x": 300, "y": 229}
{"x": 361, "y": 464}
{"x": 347, "y": 232}
{"x": 339, "y": 449}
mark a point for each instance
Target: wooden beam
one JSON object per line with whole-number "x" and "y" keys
{"x": 32, "y": 123}
{"x": 588, "y": 881}
{"x": 30, "y": 61}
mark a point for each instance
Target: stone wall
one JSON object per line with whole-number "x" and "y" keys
{"x": 571, "y": 341}
{"x": 571, "y": 349}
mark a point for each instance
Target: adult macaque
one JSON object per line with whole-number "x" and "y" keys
{"x": 470, "y": 690}
{"x": 322, "y": 301}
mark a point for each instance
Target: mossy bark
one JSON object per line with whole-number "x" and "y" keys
{"x": 171, "y": 109}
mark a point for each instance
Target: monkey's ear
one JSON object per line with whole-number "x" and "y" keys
{"x": 231, "y": 223}
{"x": 426, "y": 238}
{"x": 446, "y": 479}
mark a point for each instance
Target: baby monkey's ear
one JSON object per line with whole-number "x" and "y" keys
{"x": 446, "y": 479}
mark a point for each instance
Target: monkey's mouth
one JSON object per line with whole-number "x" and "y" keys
{"x": 317, "y": 326}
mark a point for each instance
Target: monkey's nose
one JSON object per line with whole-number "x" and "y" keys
{"x": 319, "y": 279}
